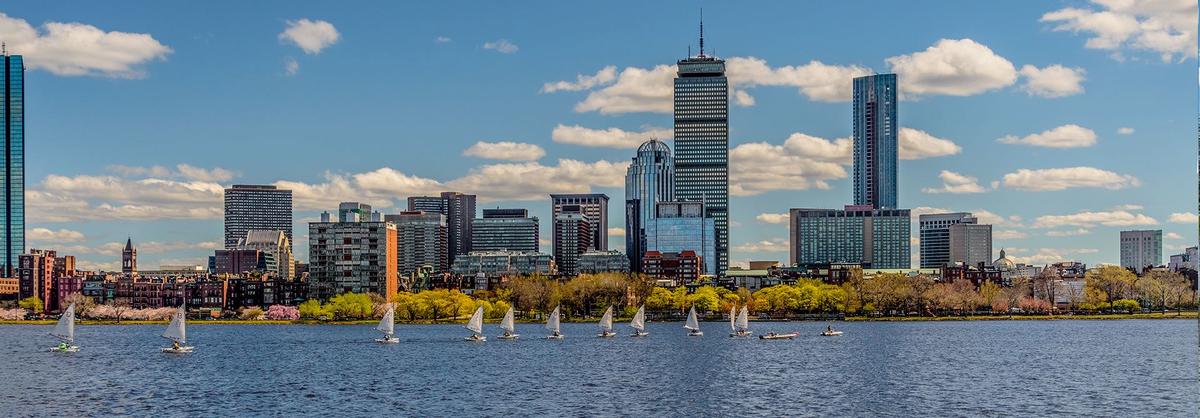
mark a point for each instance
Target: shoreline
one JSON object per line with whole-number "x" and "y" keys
{"x": 1190, "y": 315}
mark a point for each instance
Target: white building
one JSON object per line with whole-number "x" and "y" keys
{"x": 1141, "y": 249}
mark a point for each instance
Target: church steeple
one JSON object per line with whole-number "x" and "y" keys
{"x": 129, "y": 259}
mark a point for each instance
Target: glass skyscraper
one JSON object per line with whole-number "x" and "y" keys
{"x": 12, "y": 108}
{"x": 649, "y": 180}
{"x": 702, "y": 141}
{"x": 875, "y": 145}
{"x": 682, "y": 226}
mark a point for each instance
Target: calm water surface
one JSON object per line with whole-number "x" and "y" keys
{"x": 1027, "y": 368}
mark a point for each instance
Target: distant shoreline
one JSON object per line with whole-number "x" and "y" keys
{"x": 1192, "y": 315}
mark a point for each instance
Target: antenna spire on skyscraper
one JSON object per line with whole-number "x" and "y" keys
{"x": 701, "y": 32}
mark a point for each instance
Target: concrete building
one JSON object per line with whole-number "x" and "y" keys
{"x": 572, "y": 237}
{"x": 459, "y": 210}
{"x": 356, "y": 212}
{"x": 1183, "y": 261}
{"x": 650, "y": 179}
{"x": 611, "y": 261}
{"x": 684, "y": 226}
{"x": 276, "y": 244}
{"x": 593, "y": 206}
{"x": 12, "y": 188}
{"x": 876, "y": 147}
{"x": 935, "y": 237}
{"x": 971, "y": 243}
{"x": 354, "y": 257}
{"x": 1141, "y": 249}
{"x": 256, "y": 207}
{"x": 421, "y": 240}
{"x": 505, "y": 230}
{"x": 501, "y": 263}
{"x": 878, "y": 238}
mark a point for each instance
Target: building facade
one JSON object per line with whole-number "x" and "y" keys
{"x": 1184, "y": 261}
{"x": 256, "y": 207}
{"x": 678, "y": 227}
{"x": 12, "y": 187}
{"x": 1141, "y": 249}
{"x": 649, "y": 180}
{"x": 593, "y": 206}
{"x": 459, "y": 210}
{"x": 971, "y": 244}
{"x": 701, "y": 113}
{"x": 572, "y": 237}
{"x": 672, "y": 269}
{"x": 876, "y": 147}
{"x": 244, "y": 261}
{"x": 612, "y": 261}
{"x": 356, "y": 257}
{"x": 877, "y": 238}
{"x": 505, "y": 230}
{"x": 498, "y": 263}
{"x": 420, "y": 241}
{"x": 934, "y": 234}
{"x": 275, "y": 243}
{"x": 35, "y": 272}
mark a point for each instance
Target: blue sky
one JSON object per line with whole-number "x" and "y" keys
{"x": 1065, "y": 121}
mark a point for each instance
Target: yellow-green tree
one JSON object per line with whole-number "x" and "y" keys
{"x": 660, "y": 299}
{"x": 33, "y": 304}
{"x": 312, "y": 309}
{"x": 348, "y": 306}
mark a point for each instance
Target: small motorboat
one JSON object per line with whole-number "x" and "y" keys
{"x": 830, "y": 333}
{"x": 778, "y": 336}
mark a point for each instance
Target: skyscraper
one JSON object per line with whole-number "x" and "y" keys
{"x": 460, "y": 214}
{"x": 971, "y": 243}
{"x": 12, "y": 117}
{"x": 505, "y": 230}
{"x": 649, "y": 180}
{"x": 420, "y": 241}
{"x": 679, "y": 227}
{"x": 356, "y": 256}
{"x": 1141, "y": 249}
{"x": 935, "y": 237}
{"x": 572, "y": 238}
{"x": 594, "y": 207}
{"x": 256, "y": 207}
{"x": 702, "y": 141}
{"x": 875, "y": 144}
{"x": 877, "y": 238}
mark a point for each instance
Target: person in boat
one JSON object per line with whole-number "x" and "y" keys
{"x": 175, "y": 345}
{"x": 829, "y": 328}
{"x": 62, "y": 346}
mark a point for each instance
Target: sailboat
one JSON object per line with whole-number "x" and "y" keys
{"x": 507, "y": 324}
{"x": 639, "y": 323}
{"x": 65, "y": 331}
{"x": 606, "y": 324}
{"x": 177, "y": 333}
{"x": 552, "y": 325}
{"x": 693, "y": 324}
{"x": 739, "y": 324}
{"x": 387, "y": 326}
{"x": 476, "y": 326}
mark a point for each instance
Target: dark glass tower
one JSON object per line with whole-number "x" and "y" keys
{"x": 702, "y": 141}
{"x": 875, "y": 145}
{"x": 12, "y": 119}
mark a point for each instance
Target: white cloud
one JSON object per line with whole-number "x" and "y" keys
{"x": 533, "y": 181}
{"x": 816, "y": 80}
{"x": 1164, "y": 27}
{"x": 1052, "y": 81}
{"x": 776, "y": 245}
{"x": 916, "y": 144}
{"x": 583, "y": 82}
{"x": 956, "y": 183}
{"x": 290, "y": 66}
{"x": 1173, "y": 235}
{"x": 1182, "y": 218}
{"x": 502, "y": 46}
{"x": 1129, "y": 207}
{"x": 742, "y": 98}
{"x": 1054, "y": 179}
{"x": 953, "y": 67}
{"x": 113, "y": 249}
{"x": 65, "y": 198}
{"x": 505, "y": 150}
{"x": 443, "y": 40}
{"x": 50, "y": 236}
{"x": 606, "y": 138}
{"x": 1009, "y": 234}
{"x": 616, "y": 231}
{"x": 216, "y": 174}
{"x": 990, "y": 218}
{"x": 1088, "y": 219}
{"x": 1045, "y": 256}
{"x": 636, "y": 90}
{"x": 1069, "y": 232}
{"x": 1124, "y": 131}
{"x": 1066, "y": 136}
{"x": 311, "y": 36}
{"x": 778, "y": 219}
{"x": 801, "y": 163}
{"x": 185, "y": 171}
{"x": 75, "y": 49}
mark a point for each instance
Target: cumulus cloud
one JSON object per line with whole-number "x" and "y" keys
{"x": 606, "y": 138}
{"x": 1053, "y": 81}
{"x": 533, "y": 181}
{"x": 75, "y": 49}
{"x": 186, "y": 171}
{"x": 1068, "y": 232}
{"x": 505, "y": 150}
{"x": 502, "y": 46}
{"x": 50, "y": 236}
{"x": 636, "y": 90}
{"x": 801, "y": 163}
{"x": 1045, "y": 256}
{"x": 1173, "y": 235}
{"x": 113, "y": 249}
{"x": 1054, "y": 179}
{"x": 1124, "y": 131}
{"x": 1182, "y": 218}
{"x": 773, "y": 218}
{"x": 816, "y": 80}
{"x": 953, "y": 67}
{"x": 1009, "y": 234}
{"x": 312, "y": 36}
{"x": 61, "y": 198}
{"x": 616, "y": 231}
{"x": 775, "y": 245}
{"x": 583, "y": 82}
{"x": 955, "y": 183}
{"x": 1167, "y": 28}
{"x": 1066, "y": 136}
{"x": 916, "y": 144}
{"x": 1089, "y": 219}
{"x": 742, "y": 98}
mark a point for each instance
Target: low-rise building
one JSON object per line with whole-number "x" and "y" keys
{"x": 503, "y": 263}
{"x": 612, "y": 261}
{"x": 672, "y": 269}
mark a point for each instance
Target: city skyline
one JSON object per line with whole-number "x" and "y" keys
{"x": 1052, "y": 127}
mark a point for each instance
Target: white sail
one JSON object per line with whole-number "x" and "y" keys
{"x": 476, "y": 322}
{"x": 606, "y": 320}
{"x": 387, "y": 325}
{"x": 639, "y": 319}
{"x": 733, "y": 319}
{"x": 743, "y": 320}
{"x": 65, "y": 329}
{"x": 692, "y": 322}
{"x": 507, "y": 323}
{"x": 552, "y": 323}
{"x": 177, "y": 329}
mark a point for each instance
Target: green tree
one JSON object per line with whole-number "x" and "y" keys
{"x": 32, "y": 304}
{"x": 660, "y": 299}
{"x": 705, "y": 299}
{"x": 312, "y": 309}
{"x": 348, "y": 306}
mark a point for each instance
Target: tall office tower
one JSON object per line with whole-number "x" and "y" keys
{"x": 256, "y": 207}
{"x": 875, "y": 145}
{"x": 1141, "y": 249}
{"x": 129, "y": 258}
{"x": 12, "y": 117}
{"x": 649, "y": 180}
{"x": 505, "y": 230}
{"x": 420, "y": 241}
{"x": 935, "y": 237}
{"x": 356, "y": 256}
{"x": 593, "y": 206}
{"x": 702, "y": 141}
{"x": 877, "y": 238}
{"x": 679, "y": 227}
{"x": 971, "y": 243}
{"x": 460, "y": 214}
{"x": 572, "y": 238}
{"x": 274, "y": 243}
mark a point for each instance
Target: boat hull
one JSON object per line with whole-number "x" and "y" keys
{"x": 639, "y": 334}
{"x": 69, "y": 349}
{"x": 180, "y": 350}
{"x": 778, "y": 336}
{"x": 388, "y": 340}
{"x": 606, "y": 334}
{"x": 695, "y": 333}
{"x": 476, "y": 338}
{"x": 740, "y": 334}
{"x": 554, "y": 337}
{"x": 509, "y": 337}
{"x": 831, "y": 334}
